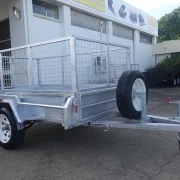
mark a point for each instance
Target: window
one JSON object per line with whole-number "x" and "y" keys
{"x": 45, "y": 9}
{"x": 145, "y": 38}
{"x": 87, "y": 21}
{"x": 123, "y": 32}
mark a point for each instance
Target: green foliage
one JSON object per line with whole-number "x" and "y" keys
{"x": 167, "y": 65}
{"x": 169, "y": 26}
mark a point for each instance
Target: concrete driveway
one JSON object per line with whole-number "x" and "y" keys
{"x": 50, "y": 153}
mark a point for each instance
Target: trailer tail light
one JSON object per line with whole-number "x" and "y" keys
{"x": 76, "y": 108}
{"x": 169, "y": 99}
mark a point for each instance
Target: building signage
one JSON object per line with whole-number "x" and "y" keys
{"x": 95, "y": 4}
{"x": 122, "y": 11}
{"x": 130, "y": 15}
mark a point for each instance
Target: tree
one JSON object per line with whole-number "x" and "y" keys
{"x": 169, "y": 26}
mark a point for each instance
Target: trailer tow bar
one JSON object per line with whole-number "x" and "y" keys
{"x": 178, "y": 103}
{"x": 147, "y": 122}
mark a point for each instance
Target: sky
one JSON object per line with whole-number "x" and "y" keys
{"x": 156, "y": 8}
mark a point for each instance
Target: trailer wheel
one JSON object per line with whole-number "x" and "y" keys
{"x": 128, "y": 104}
{"x": 10, "y": 136}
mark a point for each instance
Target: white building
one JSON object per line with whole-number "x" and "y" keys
{"x": 30, "y": 21}
{"x": 165, "y": 49}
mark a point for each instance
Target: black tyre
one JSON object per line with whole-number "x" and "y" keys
{"x": 129, "y": 105}
{"x": 10, "y": 136}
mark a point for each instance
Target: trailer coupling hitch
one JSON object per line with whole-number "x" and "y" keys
{"x": 102, "y": 125}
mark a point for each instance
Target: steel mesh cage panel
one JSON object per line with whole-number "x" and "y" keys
{"x": 67, "y": 64}
{"x": 14, "y": 69}
{"x": 99, "y": 64}
{"x": 135, "y": 67}
{"x": 41, "y": 67}
{"x": 51, "y": 66}
{"x": 119, "y": 58}
{"x": 90, "y": 57}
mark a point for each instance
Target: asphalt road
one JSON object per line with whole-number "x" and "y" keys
{"x": 50, "y": 153}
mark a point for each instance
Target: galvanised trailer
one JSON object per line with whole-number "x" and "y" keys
{"x": 72, "y": 81}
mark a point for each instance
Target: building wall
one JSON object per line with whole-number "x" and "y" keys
{"x": 127, "y": 43}
{"x": 44, "y": 29}
{"x": 145, "y": 56}
{"x": 17, "y": 27}
{"x": 166, "y": 47}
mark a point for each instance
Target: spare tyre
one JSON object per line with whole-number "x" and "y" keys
{"x": 128, "y": 103}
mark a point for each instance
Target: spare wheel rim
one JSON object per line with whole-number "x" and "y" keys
{"x": 138, "y": 87}
{"x": 5, "y": 129}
